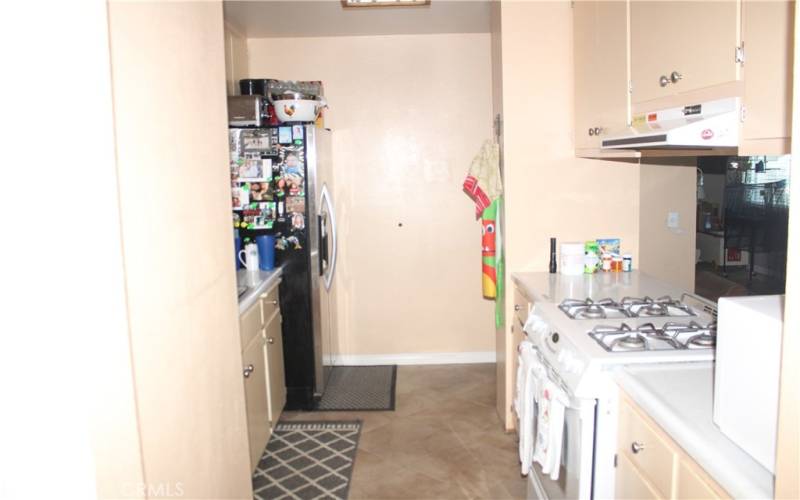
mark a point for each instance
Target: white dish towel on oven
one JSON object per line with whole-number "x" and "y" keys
{"x": 535, "y": 327}
{"x": 529, "y": 377}
{"x": 550, "y": 428}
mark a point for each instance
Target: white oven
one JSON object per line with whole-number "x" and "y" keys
{"x": 577, "y": 454}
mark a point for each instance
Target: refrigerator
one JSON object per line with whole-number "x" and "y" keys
{"x": 281, "y": 185}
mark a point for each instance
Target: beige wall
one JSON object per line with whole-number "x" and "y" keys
{"x": 235, "y": 58}
{"x": 548, "y": 191}
{"x": 787, "y": 465}
{"x": 408, "y": 113}
{"x": 668, "y": 185}
{"x": 169, "y": 98}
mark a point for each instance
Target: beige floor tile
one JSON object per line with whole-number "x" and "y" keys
{"x": 443, "y": 441}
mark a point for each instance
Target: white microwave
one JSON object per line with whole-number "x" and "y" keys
{"x": 747, "y": 373}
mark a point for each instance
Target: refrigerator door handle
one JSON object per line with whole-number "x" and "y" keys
{"x": 325, "y": 198}
{"x": 322, "y": 232}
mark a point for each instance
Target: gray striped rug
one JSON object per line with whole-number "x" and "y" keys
{"x": 359, "y": 388}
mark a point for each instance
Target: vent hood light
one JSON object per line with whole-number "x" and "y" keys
{"x": 384, "y": 3}
{"x": 708, "y": 125}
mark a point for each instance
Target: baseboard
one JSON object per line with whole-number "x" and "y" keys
{"x": 423, "y": 358}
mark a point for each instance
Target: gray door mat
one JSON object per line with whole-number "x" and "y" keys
{"x": 359, "y": 388}
{"x": 307, "y": 460}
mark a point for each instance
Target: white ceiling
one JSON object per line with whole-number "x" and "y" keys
{"x": 305, "y": 18}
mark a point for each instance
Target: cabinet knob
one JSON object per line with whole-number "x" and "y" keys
{"x": 597, "y": 130}
{"x": 270, "y": 340}
{"x": 636, "y": 447}
{"x": 675, "y": 77}
{"x": 664, "y": 80}
{"x": 517, "y": 307}
{"x": 248, "y": 370}
{"x": 591, "y": 131}
{"x": 273, "y": 302}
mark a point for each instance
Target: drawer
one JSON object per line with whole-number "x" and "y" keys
{"x": 693, "y": 483}
{"x": 250, "y": 324}
{"x": 521, "y": 307}
{"x": 646, "y": 449}
{"x": 631, "y": 484}
{"x": 269, "y": 303}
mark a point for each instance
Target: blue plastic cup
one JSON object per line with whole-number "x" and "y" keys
{"x": 266, "y": 252}
{"x": 237, "y": 245}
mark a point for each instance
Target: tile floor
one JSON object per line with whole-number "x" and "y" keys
{"x": 443, "y": 441}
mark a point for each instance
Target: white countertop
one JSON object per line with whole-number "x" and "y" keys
{"x": 262, "y": 282}
{"x": 548, "y": 287}
{"x": 678, "y": 396}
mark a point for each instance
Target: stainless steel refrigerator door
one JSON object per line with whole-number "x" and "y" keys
{"x": 318, "y": 164}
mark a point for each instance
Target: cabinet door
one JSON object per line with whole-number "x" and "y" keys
{"x": 647, "y": 449}
{"x": 276, "y": 377}
{"x": 693, "y": 484}
{"x": 255, "y": 391}
{"x": 698, "y": 40}
{"x": 250, "y": 324}
{"x": 601, "y": 70}
{"x": 630, "y": 483}
{"x": 767, "y": 36}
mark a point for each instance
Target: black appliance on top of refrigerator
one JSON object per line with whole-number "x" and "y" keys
{"x": 281, "y": 185}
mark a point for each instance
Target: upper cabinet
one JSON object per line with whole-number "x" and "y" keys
{"x": 639, "y": 56}
{"x": 766, "y": 69}
{"x": 679, "y": 47}
{"x": 601, "y": 70}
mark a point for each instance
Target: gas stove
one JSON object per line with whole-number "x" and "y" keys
{"x": 627, "y": 307}
{"x": 579, "y": 348}
{"x": 649, "y": 337}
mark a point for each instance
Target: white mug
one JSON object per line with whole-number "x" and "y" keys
{"x": 250, "y": 261}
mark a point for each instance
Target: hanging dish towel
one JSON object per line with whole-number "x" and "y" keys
{"x": 483, "y": 183}
{"x": 530, "y": 375}
{"x": 550, "y": 428}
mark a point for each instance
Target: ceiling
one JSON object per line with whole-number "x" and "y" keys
{"x": 307, "y": 18}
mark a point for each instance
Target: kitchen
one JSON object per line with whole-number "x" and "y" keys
{"x": 163, "y": 288}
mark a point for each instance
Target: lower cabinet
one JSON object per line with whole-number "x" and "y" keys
{"x": 255, "y": 392}
{"x": 651, "y": 465}
{"x": 276, "y": 376}
{"x": 263, "y": 371}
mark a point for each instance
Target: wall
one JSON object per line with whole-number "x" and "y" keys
{"x": 65, "y": 367}
{"x": 408, "y": 114}
{"x": 549, "y": 192}
{"x": 168, "y": 76}
{"x": 787, "y": 481}
{"x": 235, "y": 58}
{"x": 668, "y": 185}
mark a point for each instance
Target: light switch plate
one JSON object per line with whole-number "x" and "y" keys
{"x": 673, "y": 220}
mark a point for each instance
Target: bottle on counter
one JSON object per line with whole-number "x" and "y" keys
{"x": 616, "y": 264}
{"x": 627, "y": 263}
{"x": 591, "y": 258}
{"x": 606, "y": 262}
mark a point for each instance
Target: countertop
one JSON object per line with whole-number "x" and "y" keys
{"x": 678, "y": 396}
{"x": 262, "y": 282}
{"x": 548, "y": 287}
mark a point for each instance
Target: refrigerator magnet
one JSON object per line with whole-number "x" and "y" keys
{"x": 241, "y": 197}
{"x": 291, "y": 165}
{"x": 297, "y": 132}
{"x": 298, "y": 222}
{"x": 285, "y": 135}
{"x": 252, "y": 169}
{"x": 296, "y": 204}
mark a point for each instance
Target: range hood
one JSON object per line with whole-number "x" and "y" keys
{"x": 707, "y": 125}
